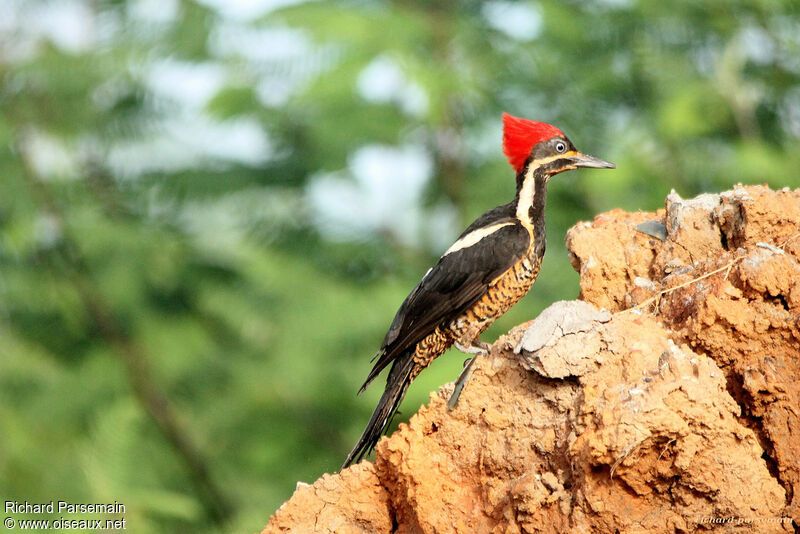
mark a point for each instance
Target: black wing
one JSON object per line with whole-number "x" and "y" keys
{"x": 450, "y": 287}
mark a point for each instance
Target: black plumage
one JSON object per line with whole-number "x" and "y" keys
{"x": 488, "y": 269}
{"x": 452, "y": 285}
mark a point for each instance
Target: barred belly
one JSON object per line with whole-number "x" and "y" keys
{"x": 504, "y": 292}
{"x": 431, "y": 347}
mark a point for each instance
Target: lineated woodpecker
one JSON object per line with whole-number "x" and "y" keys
{"x": 487, "y": 270}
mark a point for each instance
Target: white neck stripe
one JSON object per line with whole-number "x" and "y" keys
{"x": 528, "y": 190}
{"x": 525, "y": 197}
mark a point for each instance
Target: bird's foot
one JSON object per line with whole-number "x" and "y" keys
{"x": 460, "y": 382}
{"x": 478, "y": 348}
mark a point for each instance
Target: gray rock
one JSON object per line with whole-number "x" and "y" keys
{"x": 552, "y": 345}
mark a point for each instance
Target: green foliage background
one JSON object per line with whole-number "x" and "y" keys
{"x": 187, "y": 337}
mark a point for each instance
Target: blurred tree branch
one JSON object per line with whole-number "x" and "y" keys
{"x": 105, "y": 321}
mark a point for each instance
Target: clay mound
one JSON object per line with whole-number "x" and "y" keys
{"x": 730, "y": 269}
{"x": 677, "y": 413}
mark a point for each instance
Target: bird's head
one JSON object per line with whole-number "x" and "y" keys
{"x": 537, "y": 145}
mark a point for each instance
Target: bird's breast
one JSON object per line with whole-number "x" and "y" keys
{"x": 503, "y": 292}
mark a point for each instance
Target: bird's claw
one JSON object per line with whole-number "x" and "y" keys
{"x": 478, "y": 348}
{"x": 460, "y": 382}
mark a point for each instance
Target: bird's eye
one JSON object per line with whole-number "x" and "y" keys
{"x": 561, "y": 147}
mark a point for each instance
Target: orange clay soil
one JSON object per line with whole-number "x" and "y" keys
{"x": 678, "y": 411}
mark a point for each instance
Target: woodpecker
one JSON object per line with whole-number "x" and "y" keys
{"x": 489, "y": 268}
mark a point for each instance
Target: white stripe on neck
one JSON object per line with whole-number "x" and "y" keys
{"x": 528, "y": 191}
{"x": 525, "y": 197}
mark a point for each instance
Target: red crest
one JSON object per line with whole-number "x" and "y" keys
{"x": 520, "y": 135}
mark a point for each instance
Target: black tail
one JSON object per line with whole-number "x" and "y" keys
{"x": 396, "y": 385}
